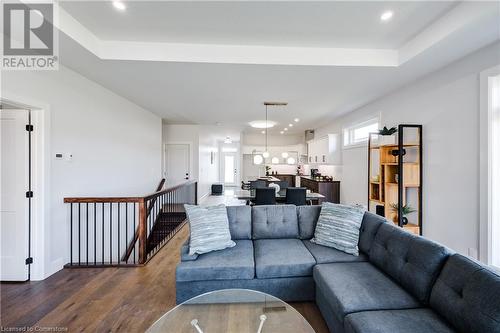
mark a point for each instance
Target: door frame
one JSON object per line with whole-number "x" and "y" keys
{"x": 223, "y": 168}
{"x": 485, "y": 172}
{"x": 164, "y": 160}
{"x": 40, "y": 180}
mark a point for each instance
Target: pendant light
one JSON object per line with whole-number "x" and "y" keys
{"x": 266, "y": 153}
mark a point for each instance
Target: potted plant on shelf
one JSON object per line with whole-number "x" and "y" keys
{"x": 387, "y": 136}
{"x": 406, "y": 210}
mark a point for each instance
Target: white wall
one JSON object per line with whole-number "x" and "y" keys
{"x": 116, "y": 147}
{"x": 446, "y": 103}
{"x": 203, "y": 140}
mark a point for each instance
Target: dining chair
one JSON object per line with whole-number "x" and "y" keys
{"x": 296, "y": 196}
{"x": 265, "y": 196}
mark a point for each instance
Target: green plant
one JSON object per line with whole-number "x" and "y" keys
{"x": 268, "y": 168}
{"x": 387, "y": 131}
{"x": 407, "y": 209}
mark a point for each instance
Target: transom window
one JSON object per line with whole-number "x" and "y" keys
{"x": 358, "y": 134}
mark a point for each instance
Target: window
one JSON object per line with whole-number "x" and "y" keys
{"x": 358, "y": 134}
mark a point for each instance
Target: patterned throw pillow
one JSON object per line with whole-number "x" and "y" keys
{"x": 338, "y": 227}
{"x": 209, "y": 228}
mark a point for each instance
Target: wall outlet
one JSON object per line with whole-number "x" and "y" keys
{"x": 472, "y": 252}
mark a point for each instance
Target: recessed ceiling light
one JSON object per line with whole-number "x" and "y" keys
{"x": 282, "y": 132}
{"x": 263, "y": 132}
{"x": 296, "y": 120}
{"x": 386, "y": 16}
{"x": 262, "y": 124}
{"x": 119, "y": 5}
{"x": 290, "y": 125}
{"x": 285, "y": 129}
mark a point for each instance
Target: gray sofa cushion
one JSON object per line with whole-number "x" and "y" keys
{"x": 275, "y": 221}
{"x": 282, "y": 258}
{"x": 369, "y": 227}
{"x": 360, "y": 286}
{"x": 414, "y": 262}
{"x": 229, "y": 264}
{"x": 240, "y": 222}
{"x": 467, "y": 294}
{"x": 308, "y": 216}
{"x": 394, "y": 321}
{"x": 325, "y": 254}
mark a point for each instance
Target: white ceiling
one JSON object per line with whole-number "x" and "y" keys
{"x": 313, "y": 24}
{"x": 232, "y": 93}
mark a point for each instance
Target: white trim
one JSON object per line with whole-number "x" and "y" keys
{"x": 485, "y": 152}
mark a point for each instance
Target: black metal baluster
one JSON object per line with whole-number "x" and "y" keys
{"x": 95, "y": 232}
{"x": 79, "y": 235}
{"x": 118, "y": 239}
{"x": 87, "y": 234}
{"x": 71, "y": 234}
{"x": 102, "y": 235}
{"x": 110, "y": 233}
{"x": 126, "y": 225}
{"x": 134, "y": 232}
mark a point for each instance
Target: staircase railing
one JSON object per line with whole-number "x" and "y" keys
{"x": 126, "y": 231}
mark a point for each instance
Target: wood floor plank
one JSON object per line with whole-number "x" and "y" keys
{"x": 107, "y": 299}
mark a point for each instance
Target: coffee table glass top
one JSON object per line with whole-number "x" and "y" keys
{"x": 232, "y": 310}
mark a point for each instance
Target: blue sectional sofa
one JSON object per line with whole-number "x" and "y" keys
{"x": 399, "y": 283}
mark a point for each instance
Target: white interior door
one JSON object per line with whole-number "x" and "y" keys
{"x": 13, "y": 202}
{"x": 230, "y": 168}
{"x": 177, "y": 162}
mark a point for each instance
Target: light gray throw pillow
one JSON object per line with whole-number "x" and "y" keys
{"x": 209, "y": 229}
{"x": 338, "y": 227}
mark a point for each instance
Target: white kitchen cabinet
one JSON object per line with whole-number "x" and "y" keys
{"x": 325, "y": 150}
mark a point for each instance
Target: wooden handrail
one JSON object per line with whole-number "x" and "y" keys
{"x": 126, "y": 199}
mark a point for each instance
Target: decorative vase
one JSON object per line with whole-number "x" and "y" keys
{"x": 405, "y": 220}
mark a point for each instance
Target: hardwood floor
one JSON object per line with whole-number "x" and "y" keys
{"x": 107, "y": 299}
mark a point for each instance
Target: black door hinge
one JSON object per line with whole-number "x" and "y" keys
{"x": 29, "y": 128}
{"x": 29, "y": 260}
{"x": 29, "y": 194}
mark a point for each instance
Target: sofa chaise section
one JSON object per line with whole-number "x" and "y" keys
{"x": 401, "y": 271}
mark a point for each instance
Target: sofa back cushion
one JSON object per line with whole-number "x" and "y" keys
{"x": 308, "y": 216}
{"x": 275, "y": 221}
{"x": 412, "y": 261}
{"x": 369, "y": 226}
{"x": 240, "y": 221}
{"x": 467, "y": 294}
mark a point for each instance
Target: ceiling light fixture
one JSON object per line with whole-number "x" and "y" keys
{"x": 228, "y": 140}
{"x": 290, "y": 125}
{"x": 285, "y": 129}
{"x": 263, "y": 132}
{"x": 119, "y": 5}
{"x": 386, "y": 16}
{"x": 284, "y": 154}
{"x": 257, "y": 159}
{"x": 296, "y": 120}
{"x": 282, "y": 132}
{"x": 262, "y": 124}
{"x": 275, "y": 160}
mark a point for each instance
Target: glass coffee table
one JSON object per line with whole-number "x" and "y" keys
{"x": 232, "y": 310}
